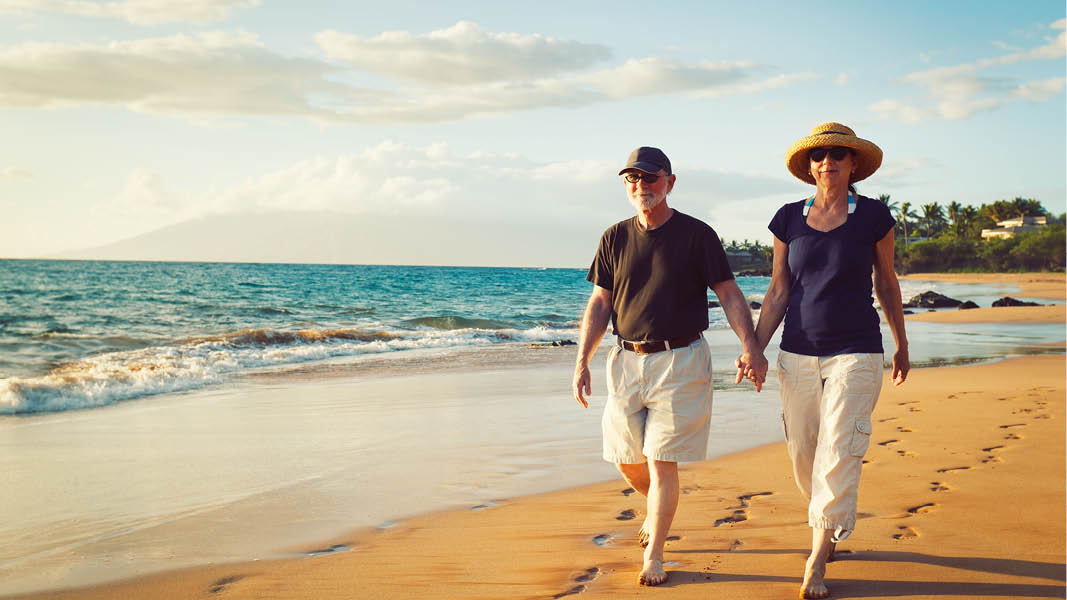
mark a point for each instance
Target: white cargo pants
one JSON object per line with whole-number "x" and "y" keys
{"x": 827, "y": 403}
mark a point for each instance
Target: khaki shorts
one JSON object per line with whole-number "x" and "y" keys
{"x": 659, "y": 405}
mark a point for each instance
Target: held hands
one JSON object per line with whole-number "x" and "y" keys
{"x": 901, "y": 366}
{"x": 582, "y": 385}
{"x": 752, "y": 366}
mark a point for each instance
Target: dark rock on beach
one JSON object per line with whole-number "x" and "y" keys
{"x": 754, "y": 273}
{"x": 909, "y": 312}
{"x": 754, "y": 305}
{"x": 931, "y": 300}
{"x": 555, "y": 344}
{"x": 1009, "y": 301}
{"x": 968, "y": 304}
{"x": 713, "y": 304}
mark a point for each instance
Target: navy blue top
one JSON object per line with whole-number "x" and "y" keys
{"x": 831, "y": 304}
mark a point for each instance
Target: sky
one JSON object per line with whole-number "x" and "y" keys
{"x": 123, "y": 118}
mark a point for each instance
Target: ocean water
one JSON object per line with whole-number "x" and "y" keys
{"x": 84, "y": 334}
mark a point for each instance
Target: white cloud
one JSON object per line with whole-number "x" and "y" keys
{"x": 224, "y": 73}
{"x": 961, "y": 91}
{"x": 14, "y": 173}
{"x": 145, "y": 195}
{"x": 462, "y": 54}
{"x": 137, "y": 12}
{"x": 841, "y": 80}
{"x": 214, "y": 73}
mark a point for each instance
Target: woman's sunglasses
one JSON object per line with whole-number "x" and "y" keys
{"x": 635, "y": 177}
{"x": 836, "y": 153}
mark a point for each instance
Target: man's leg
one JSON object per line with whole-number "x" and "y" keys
{"x": 663, "y": 492}
{"x": 637, "y": 476}
{"x": 814, "y": 585}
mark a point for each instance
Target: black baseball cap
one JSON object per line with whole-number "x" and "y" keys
{"x": 647, "y": 159}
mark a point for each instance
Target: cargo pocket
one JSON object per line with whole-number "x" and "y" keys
{"x": 861, "y": 437}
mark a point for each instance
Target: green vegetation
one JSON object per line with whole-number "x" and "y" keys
{"x": 936, "y": 238}
{"x": 940, "y": 239}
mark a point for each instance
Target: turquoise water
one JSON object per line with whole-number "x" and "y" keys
{"x": 84, "y": 334}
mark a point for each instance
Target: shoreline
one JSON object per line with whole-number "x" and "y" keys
{"x": 1034, "y": 285}
{"x": 933, "y": 522}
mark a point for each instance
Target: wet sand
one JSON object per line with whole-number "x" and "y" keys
{"x": 963, "y": 496}
{"x": 1034, "y": 285}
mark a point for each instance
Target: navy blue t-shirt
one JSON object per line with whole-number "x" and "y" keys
{"x": 831, "y": 304}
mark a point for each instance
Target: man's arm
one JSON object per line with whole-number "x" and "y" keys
{"x": 751, "y": 364}
{"x": 887, "y": 288}
{"x": 594, "y": 324}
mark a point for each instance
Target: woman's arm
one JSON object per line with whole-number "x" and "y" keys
{"x": 777, "y": 296}
{"x": 887, "y": 288}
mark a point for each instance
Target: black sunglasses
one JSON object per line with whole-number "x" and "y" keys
{"x": 836, "y": 153}
{"x": 647, "y": 178}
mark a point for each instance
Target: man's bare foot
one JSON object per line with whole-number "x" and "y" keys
{"x": 813, "y": 586}
{"x": 642, "y": 534}
{"x": 653, "y": 573}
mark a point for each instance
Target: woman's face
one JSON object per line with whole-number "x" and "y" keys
{"x": 829, "y": 170}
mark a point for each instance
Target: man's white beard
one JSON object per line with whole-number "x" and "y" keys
{"x": 646, "y": 202}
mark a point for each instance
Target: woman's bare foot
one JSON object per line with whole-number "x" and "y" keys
{"x": 652, "y": 573}
{"x": 814, "y": 586}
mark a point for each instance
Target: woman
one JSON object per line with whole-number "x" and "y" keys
{"x": 830, "y": 358}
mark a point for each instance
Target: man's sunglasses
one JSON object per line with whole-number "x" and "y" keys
{"x": 647, "y": 178}
{"x": 836, "y": 153}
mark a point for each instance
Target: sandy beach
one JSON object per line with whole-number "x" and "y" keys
{"x": 963, "y": 496}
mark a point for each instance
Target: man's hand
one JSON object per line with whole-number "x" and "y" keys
{"x": 582, "y": 385}
{"x": 752, "y": 366}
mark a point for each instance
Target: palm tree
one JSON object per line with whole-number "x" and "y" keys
{"x": 884, "y": 199}
{"x": 933, "y": 218}
{"x": 954, "y": 209}
{"x": 903, "y": 214}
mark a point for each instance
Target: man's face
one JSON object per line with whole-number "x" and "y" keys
{"x": 646, "y": 195}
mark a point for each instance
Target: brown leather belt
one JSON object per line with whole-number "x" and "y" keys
{"x": 650, "y": 347}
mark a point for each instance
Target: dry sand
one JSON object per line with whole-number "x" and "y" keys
{"x": 963, "y": 497}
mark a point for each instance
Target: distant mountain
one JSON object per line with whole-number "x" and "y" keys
{"x": 324, "y": 237}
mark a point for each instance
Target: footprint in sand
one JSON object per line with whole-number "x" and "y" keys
{"x": 906, "y": 453}
{"x": 736, "y": 517}
{"x": 1011, "y": 425}
{"x": 867, "y": 461}
{"x": 908, "y": 402}
{"x": 673, "y": 538}
{"x": 888, "y": 443}
{"x": 735, "y": 545}
{"x": 937, "y": 486}
{"x": 578, "y": 589}
{"x": 906, "y": 533}
{"x": 951, "y": 469}
{"x": 922, "y": 508}
{"x": 628, "y": 491}
{"x": 887, "y": 419}
{"x": 1043, "y": 416}
{"x": 626, "y": 515}
{"x": 604, "y": 539}
{"x": 1013, "y": 436}
{"x": 992, "y": 459}
{"x": 223, "y": 583}
{"x": 915, "y": 409}
{"x": 587, "y": 575}
{"x": 903, "y": 429}
{"x": 744, "y": 498}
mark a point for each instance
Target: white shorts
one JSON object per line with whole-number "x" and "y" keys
{"x": 659, "y": 405}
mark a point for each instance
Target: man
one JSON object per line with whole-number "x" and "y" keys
{"x": 650, "y": 275}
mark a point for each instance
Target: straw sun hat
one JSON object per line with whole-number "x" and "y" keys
{"x": 866, "y": 155}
